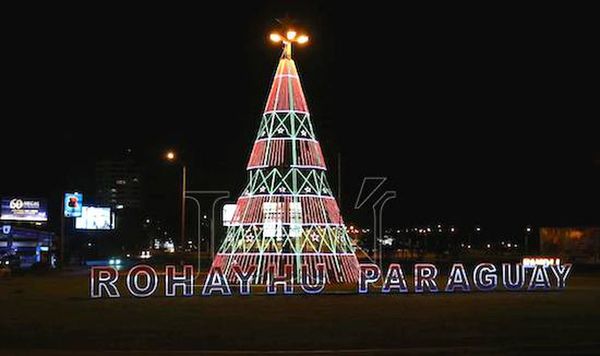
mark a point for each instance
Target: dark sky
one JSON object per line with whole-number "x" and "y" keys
{"x": 475, "y": 116}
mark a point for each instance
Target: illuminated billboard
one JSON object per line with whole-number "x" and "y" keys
{"x": 228, "y": 211}
{"x": 73, "y": 205}
{"x": 24, "y": 209}
{"x": 95, "y": 218}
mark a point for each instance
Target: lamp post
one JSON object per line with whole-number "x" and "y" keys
{"x": 62, "y": 233}
{"x": 287, "y": 40}
{"x": 172, "y": 157}
{"x": 527, "y": 234}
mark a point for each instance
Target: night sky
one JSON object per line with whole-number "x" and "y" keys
{"x": 486, "y": 117}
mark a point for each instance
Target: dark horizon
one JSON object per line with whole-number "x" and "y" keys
{"x": 472, "y": 120}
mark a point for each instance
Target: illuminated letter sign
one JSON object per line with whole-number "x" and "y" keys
{"x": 133, "y": 281}
{"x": 425, "y": 275}
{"x": 458, "y": 279}
{"x": 394, "y": 280}
{"x": 186, "y": 281}
{"x": 142, "y": 280}
{"x": 103, "y": 279}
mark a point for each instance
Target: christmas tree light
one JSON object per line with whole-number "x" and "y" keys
{"x": 287, "y": 214}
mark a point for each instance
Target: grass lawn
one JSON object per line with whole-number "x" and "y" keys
{"x": 55, "y": 312}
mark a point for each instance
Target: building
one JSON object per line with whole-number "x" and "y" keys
{"x": 29, "y": 245}
{"x": 118, "y": 182}
{"x": 572, "y": 244}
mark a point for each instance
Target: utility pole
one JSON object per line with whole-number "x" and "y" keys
{"x": 62, "y": 233}
{"x": 183, "y": 189}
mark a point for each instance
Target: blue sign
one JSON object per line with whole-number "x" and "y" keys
{"x": 73, "y": 205}
{"x": 23, "y": 209}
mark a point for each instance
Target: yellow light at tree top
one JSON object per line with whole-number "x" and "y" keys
{"x": 290, "y": 37}
{"x": 302, "y": 39}
{"x": 275, "y": 37}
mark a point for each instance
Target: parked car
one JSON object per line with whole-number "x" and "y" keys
{"x": 13, "y": 262}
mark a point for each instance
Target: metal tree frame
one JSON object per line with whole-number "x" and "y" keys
{"x": 287, "y": 213}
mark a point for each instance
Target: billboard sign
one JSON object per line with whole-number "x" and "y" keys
{"x": 228, "y": 211}
{"x": 73, "y": 205}
{"x": 23, "y": 209}
{"x": 95, "y": 218}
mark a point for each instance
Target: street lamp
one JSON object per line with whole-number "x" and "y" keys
{"x": 527, "y": 235}
{"x": 172, "y": 157}
{"x": 290, "y": 37}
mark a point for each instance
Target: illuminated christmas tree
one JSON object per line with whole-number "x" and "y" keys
{"x": 287, "y": 214}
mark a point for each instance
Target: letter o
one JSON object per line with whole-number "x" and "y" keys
{"x": 133, "y": 283}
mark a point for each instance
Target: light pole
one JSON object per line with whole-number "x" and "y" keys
{"x": 62, "y": 233}
{"x": 527, "y": 233}
{"x": 290, "y": 36}
{"x": 199, "y": 230}
{"x": 172, "y": 157}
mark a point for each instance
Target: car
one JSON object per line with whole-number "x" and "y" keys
{"x": 10, "y": 261}
{"x": 115, "y": 261}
